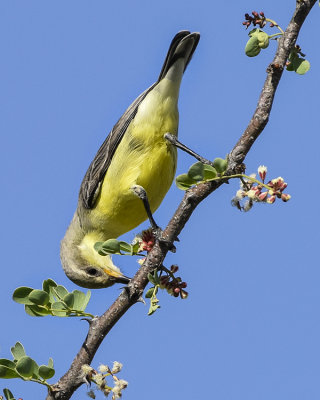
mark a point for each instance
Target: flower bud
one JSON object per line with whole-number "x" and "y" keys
{"x": 174, "y": 268}
{"x": 262, "y": 196}
{"x": 285, "y": 197}
{"x": 262, "y": 171}
{"x": 271, "y": 199}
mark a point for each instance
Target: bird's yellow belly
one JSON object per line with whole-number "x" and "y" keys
{"x": 137, "y": 161}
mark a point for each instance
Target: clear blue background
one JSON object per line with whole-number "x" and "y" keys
{"x": 250, "y": 328}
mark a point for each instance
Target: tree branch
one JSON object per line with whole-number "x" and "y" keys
{"x": 100, "y": 326}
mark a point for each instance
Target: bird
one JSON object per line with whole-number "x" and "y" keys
{"x": 134, "y": 154}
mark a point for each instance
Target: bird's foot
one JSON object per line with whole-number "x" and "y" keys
{"x": 175, "y": 142}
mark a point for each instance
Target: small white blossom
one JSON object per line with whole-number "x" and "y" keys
{"x": 104, "y": 368}
{"x": 116, "y": 367}
{"x": 86, "y": 369}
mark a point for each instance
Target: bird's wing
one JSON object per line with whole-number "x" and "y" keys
{"x": 91, "y": 184}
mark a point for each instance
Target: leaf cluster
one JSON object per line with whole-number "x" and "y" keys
{"x": 114, "y": 246}
{"x": 296, "y": 63}
{"x": 53, "y": 299}
{"x": 200, "y": 172}
{"x": 258, "y": 40}
{"x": 24, "y": 367}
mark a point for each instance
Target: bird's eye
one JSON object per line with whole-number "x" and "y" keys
{"x": 92, "y": 272}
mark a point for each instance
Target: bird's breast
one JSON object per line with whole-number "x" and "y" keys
{"x": 143, "y": 157}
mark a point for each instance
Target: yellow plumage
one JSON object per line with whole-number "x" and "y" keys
{"x": 135, "y": 153}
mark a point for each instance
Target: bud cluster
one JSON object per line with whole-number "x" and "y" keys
{"x": 99, "y": 378}
{"x": 146, "y": 240}
{"x": 256, "y": 192}
{"x": 173, "y": 285}
{"x": 257, "y": 19}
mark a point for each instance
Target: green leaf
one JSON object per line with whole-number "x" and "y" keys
{"x": 220, "y": 165}
{"x": 149, "y": 293}
{"x": 69, "y": 300}
{"x": 209, "y": 172}
{"x": 196, "y": 171}
{"x": 58, "y": 309}
{"x": 151, "y": 279}
{"x": 111, "y": 246}
{"x": 184, "y": 182}
{"x": 126, "y": 247}
{"x": 263, "y": 39}
{"x": 50, "y": 363}
{"x": 290, "y": 67}
{"x": 8, "y": 373}
{"x": 8, "y": 395}
{"x": 81, "y": 300}
{"x": 39, "y": 297}
{"x": 59, "y": 291}
{"x": 18, "y": 351}
{"x": 303, "y": 67}
{"x": 21, "y": 295}
{"x": 46, "y": 372}
{"x": 7, "y": 363}
{"x": 36, "y": 311}
{"x": 47, "y": 286}
{"x": 252, "y": 48}
{"x": 27, "y": 367}
{"x": 153, "y": 306}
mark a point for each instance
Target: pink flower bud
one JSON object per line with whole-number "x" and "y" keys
{"x": 271, "y": 199}
{"x": 262, "y": 171}
{"x": 263, "y": 196}
{"x": 285, "y": 197}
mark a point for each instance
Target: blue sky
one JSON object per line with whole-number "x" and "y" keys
{"x": 250, "y": 328}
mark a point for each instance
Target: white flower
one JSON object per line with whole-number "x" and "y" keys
{"x": 117, "y": 367}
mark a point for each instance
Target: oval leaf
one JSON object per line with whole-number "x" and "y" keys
{"x": 111, "y": 246}
{"x": 18, "y": 351}
{"x": 20, "y": 295}
{"x": 69, "y": 300}
{"x": 46, "y": 372}
{"x": 124, "y": 246}
{"x": 7, "y": 363}
{"x": 50, "y": 363}
{"x": 8, "y": 373}
{"x": 184, "y": 182}
{"x": 79, "y": 298}
{"x": 58, "y": 309}
{"x": 303, "y": 67}
{"x": 60, "y": 291}
{"x": 27, "y": 367}
{"x": 39, "y": 297}
{"x": 196, "y": 171}
{"x": 209, "y": 172}
{"x": 252, "y": 48}
{"x": 36, "y": 311}
{"x": 263, "y": 39}
{"x": 149, "y": 293}
{"x": 8, "y": 395}
{"x": 220, "y": 165}
{"x": 47, "y": 284}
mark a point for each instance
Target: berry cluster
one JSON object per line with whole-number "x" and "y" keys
{"x": 174, "y": 286}
{"x": 257, "y": 19}
{"x": 257, "y": 192}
